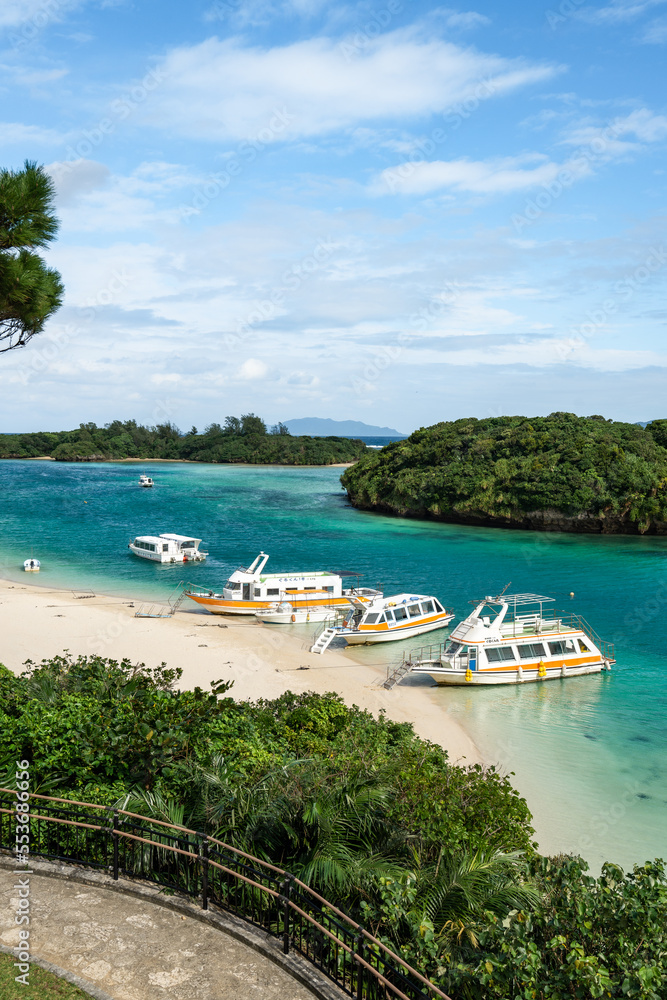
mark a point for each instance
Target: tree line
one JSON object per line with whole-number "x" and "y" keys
{"x": 239, "y": 439}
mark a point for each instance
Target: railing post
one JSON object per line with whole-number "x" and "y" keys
{"x": 115, "y": 845}
{"x": 203, "y": 854}
{"x": 359, "y": 953}
{"x": 285, "y": 890}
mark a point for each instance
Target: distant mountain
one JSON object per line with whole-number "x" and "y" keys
{"x": 320, "y": 427}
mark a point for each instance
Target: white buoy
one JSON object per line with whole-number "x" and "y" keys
{"x": 571, "y": 593}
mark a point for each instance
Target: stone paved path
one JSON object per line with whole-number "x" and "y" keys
{"x": 135, "y": 949}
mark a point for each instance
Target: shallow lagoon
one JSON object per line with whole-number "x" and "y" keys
{"x": 590, "y": 753}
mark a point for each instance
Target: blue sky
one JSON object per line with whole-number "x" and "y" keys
{"x": 397, "y": 213}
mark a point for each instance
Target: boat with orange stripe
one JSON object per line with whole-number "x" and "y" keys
{"x": 251, "y": 590}
{"x": 513, "y": 639}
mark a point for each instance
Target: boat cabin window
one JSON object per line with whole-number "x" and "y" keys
{"x": 438, "y": 605}
{"x": 149, "y": 546}
{"x": 561, "y": 646}
{"x": 165, "y": 547}
{"x": 291, "y": 590}
{"x": 427, "y": 608}
{"x": 232, "y": 586}
{"x": 272, "y": 592}
{"x": 389, "y": 615}
{"x": 452, "y": 648}
{"x": 414, "y": 611}
{"x": 400, "y": 613}
{"x": 584, "y": 647}
{"x": 497, "y": 654}
{"x": 329, "y": 590}
{"x": 531, "y": 650}
{"x": 258, "y": 591}
{"x": 188, "y": 545}
{"x": 310, "y": 588}
{"x": 371, "y": 619}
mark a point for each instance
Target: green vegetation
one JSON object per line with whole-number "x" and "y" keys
{"x": 41, "y": 985}
{"x": 561, "y": 472}
{"x": 241, "y": 439}
{"x": 436, "y": 858}
{"x": 29, "y": 290}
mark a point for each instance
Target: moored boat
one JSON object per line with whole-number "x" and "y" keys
{"x": 517, "y": 642}
{"x": 401, "y": 616}
{"x": 167, "y": 548}
{"x": 285, "y": 613}
{"x": 251, "y": 590}
{"x": 145, "y": 481}
{"x": 31, "y": 565}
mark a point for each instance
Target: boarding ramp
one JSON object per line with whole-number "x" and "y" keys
{"x": 160, "y": 610}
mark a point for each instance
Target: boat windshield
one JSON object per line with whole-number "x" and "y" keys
{"x": 232, "y": 585}
{"x": 452, "y": 648}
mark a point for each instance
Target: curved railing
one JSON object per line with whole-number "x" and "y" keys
{"x": 182, "y": 860}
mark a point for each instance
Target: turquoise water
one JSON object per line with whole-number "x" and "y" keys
{"x": 589, "y": 753}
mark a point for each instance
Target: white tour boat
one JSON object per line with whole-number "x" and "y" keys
{"x": 386, "y": 619}
{"x": 31, "y": 565}
{"x": 250, "y": 590}
{"x": 168, "y": 548}
{"x": 145, "y": 480}
{"x": 517, "y": 641}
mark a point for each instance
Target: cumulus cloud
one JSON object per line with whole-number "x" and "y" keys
{"x": 253, "y": 370}
{"x": 320, "y": 86}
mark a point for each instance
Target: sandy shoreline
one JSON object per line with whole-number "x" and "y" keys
{"x": 263, "y": 661}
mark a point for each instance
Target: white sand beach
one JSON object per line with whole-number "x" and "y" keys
{"x": 263, "y": 661}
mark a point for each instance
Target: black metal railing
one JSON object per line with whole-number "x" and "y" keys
{"x": 186, "y": 861}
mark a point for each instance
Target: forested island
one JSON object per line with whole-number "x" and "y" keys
{"x": 435, "y": 858}
{"x": 243, "y": 439}
{"x": 559, "y": 473}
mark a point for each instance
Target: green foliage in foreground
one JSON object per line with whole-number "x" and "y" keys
{"x": 435, "y": 858}
{"x": 41, "y": 985}
{"x": 241, "y": 439}
{"x": 499, "y": 469}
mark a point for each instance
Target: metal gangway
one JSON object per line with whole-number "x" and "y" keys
{"x": 343, "y": 622}
{"x": 167, "y": 610}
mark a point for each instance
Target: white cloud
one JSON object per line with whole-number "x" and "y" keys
{"x": 18, "y": 134}
{"x": 497, "y": 176}
{"x": 252, "y": 370}
{"x": 464, "y": 19}
{"x": 320, "y": 86}
{"x": 37, "y": 13}
{"x": 620, "y": 11}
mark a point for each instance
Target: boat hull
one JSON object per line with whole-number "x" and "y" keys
{"x": 221, "y": 606}
{"x": 367, "y": 637}
{"x": 299, "y": 616}
{"x": 527, "y": 675}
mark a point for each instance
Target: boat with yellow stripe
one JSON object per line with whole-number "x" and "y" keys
{"x": 251, "y": 590}
{"x": 387, "y": 619}
{"x": 513, "y": 639}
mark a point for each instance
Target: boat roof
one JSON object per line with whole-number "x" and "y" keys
{"x": 396, "y": 599}
{"x": 179, "y": 538}
{"x": 148, "y": 538}
{"x": 516, "y": 600}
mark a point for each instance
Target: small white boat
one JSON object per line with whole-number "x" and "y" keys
{"x": 167, "y": 548}
{"x": 145, "y": 480}
{"x": 286, "y": 614}
{"x": 519, "y": 642}
{"x": 31, "y": 565}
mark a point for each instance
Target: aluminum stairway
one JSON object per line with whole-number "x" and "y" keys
{"x": 167, "y": 610}
{"x": 323, "y": 640}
